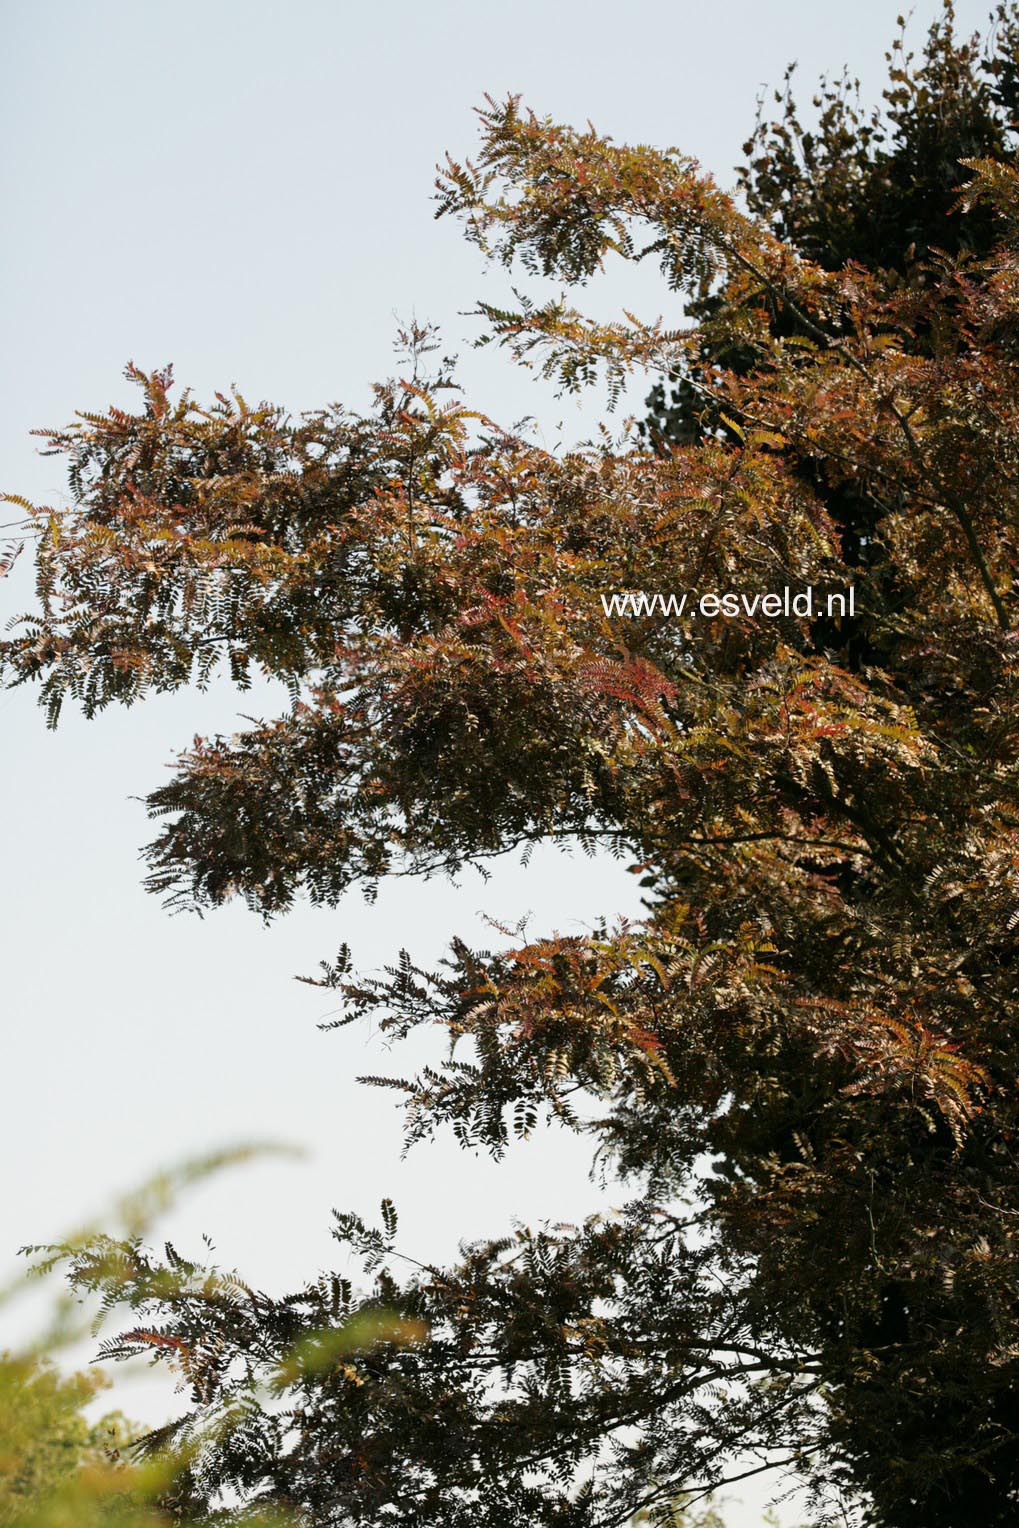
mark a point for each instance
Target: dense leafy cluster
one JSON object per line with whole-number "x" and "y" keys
{"x": 804, "y": 1058}
{"x": 878, "y": 188}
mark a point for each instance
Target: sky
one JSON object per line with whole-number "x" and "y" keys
{"x": 245, "y": 189}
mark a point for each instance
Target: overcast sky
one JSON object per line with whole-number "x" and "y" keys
{"x": 244, "y": 189}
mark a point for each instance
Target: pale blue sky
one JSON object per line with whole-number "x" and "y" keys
{"x": 244, "y": 188}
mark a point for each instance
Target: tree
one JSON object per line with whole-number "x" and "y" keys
{"x": 803, "y": 1058}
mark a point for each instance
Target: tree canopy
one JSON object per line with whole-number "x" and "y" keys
{"x": 803, "y": 1059}
{"x": 876, "y": 186}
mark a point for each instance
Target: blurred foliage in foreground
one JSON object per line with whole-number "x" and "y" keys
{"x": 46, "y": 1440}
{"x": 61, "y": 1467}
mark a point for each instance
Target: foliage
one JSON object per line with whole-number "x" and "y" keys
{"x": 803, "y": 1059}
{"x": 878, "y": 188}
{"x": 46, "y": 1436}
{"x": 58, "y": 1467}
